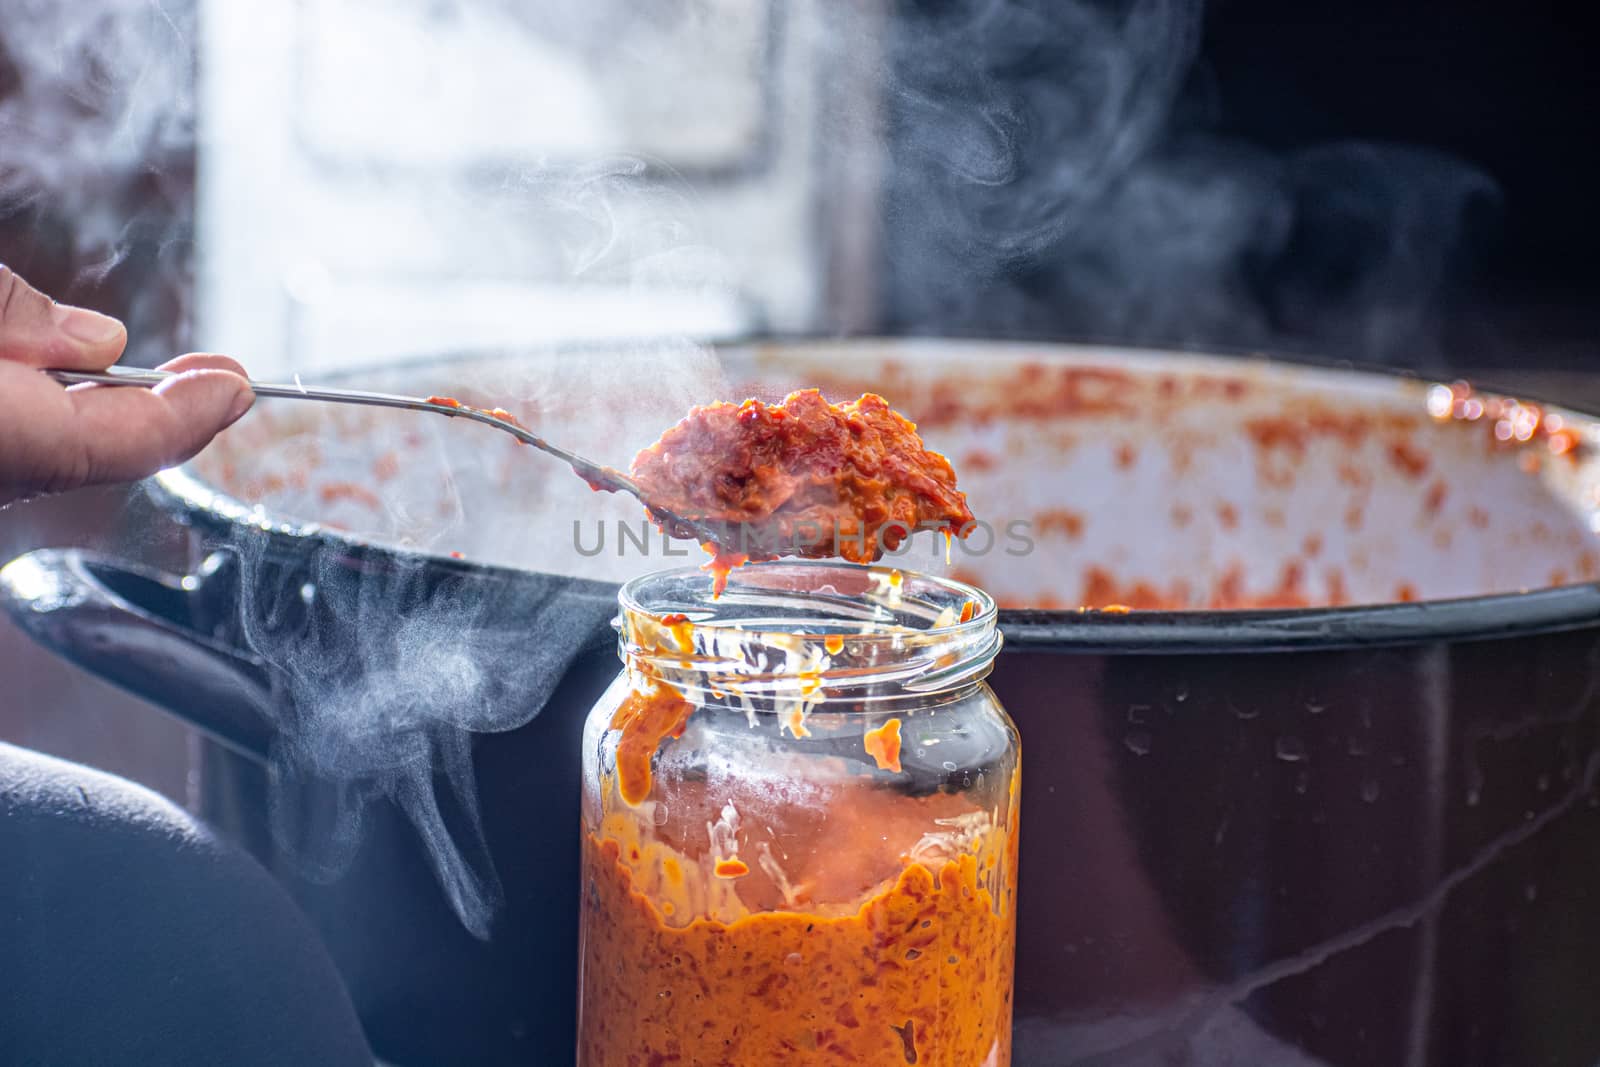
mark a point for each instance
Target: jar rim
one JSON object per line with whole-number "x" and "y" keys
{"x": 986, "y": 611}
{"x": 850, "y": 628}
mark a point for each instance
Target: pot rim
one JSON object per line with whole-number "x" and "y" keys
{"x": 1487, "y": 617}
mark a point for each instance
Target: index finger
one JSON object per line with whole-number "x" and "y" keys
{"x": 121, "y": 433}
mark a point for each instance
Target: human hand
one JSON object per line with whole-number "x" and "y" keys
{"x": 53, "y": 439}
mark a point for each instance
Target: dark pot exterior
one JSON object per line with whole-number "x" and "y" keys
{"x": 1368, "y": 854}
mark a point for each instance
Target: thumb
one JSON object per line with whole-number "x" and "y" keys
{"x": 37, "y": 331}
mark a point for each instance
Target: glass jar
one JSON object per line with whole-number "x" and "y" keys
{"x": 800, "y": 807}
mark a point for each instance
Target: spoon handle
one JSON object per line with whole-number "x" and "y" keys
{"x": 594, "y": 473}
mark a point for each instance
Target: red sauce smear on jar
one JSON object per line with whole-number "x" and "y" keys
{"x": 883, "y": 745}
{"x": 645, "y": 719}
{"x": 682, "y": 630}
{"x": 801, "y": 478}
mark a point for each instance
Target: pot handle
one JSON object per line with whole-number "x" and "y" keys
{"x": 135, "y": 627}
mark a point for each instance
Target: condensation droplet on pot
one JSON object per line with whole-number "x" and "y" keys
{"x": 1356, "y": 746}
{"x": 948, "y": 765}
{"x": 1181, "y": 693}
{"x": 1302, "y": 782}
{"x": 1291, "y": 749}
{"x": 1370, "y": 790}
{"x": 1243, "y": 713}
{"x": 1531, "y": 892}
{"x": 659, "y": 816}
{"x": 1139, "y": 742}
{"x": 1315, "y": 708}
{"x": 1138, "y": 714}
{"x": 1543, "y": 783}
{"x": 1474, "y": 794}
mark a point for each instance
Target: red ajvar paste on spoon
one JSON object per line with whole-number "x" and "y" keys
{"x": 801, "y": 478}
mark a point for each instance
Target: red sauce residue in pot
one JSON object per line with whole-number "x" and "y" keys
{"x": 1408, "y": 459}
{"x": 1509, "y": 421}
{"x": 1060, "y": 520}
{"x": 386, "y": 466}
{"x": 1103, "y": 592}
{"x": 1032, "y": 392}
{"x": 804, "y": 477}
{"x": 331, "y": 492}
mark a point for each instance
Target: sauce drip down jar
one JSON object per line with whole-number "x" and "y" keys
{"x": 800, "y": 818}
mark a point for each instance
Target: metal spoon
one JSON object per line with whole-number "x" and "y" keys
{"x": 597, "y": 475}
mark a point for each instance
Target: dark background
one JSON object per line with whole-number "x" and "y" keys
{"x": 1511, "y": 88}
{"x": 1413, "y": 184}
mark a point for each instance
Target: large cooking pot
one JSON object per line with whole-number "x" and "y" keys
{"x": 1327, "y": 796}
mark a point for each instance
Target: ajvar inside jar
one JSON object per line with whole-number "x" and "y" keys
{"x": 800, "y": 826}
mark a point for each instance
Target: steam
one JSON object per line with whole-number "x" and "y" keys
{"x": 385, "y": 674}
{"x": 382, "y": 679}
{"x": 96, "y": 146}
{"x": 1059, "y": 166}
{"x": 614, "y": 221}
{"x": 1051, "y": 170}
